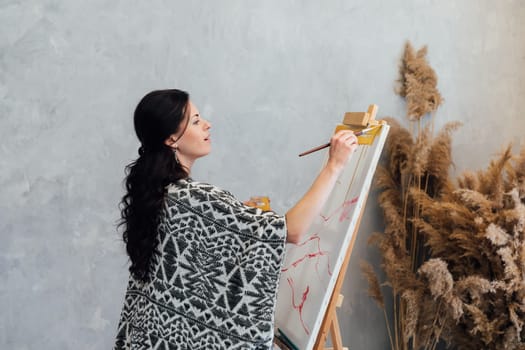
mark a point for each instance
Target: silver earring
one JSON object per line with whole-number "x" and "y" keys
{"x": 175, "y": 155}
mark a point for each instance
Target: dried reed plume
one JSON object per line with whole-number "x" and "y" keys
{"x": 453, "y": 252}
{"x": 417, "y": 83}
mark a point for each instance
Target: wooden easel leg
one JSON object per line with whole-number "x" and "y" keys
{"x": 335, "y": 333}
{"x": 335, "y": 330}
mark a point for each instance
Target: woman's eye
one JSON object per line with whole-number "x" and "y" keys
{"x": 196, "y": 122}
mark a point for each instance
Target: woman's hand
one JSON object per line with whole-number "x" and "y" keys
{"x": 342, "y": 145}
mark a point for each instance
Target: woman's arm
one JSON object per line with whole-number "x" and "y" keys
{"x": 301, "y": 216}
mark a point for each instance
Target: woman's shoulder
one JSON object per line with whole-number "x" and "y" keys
{"x": 190, "y": 188}
{"x": 188, "y": 184}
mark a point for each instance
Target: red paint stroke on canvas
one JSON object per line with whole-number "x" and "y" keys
{"x": 344, "y": 209}
{"x": 317, "y": 254}
{"x": 299, "y": 307}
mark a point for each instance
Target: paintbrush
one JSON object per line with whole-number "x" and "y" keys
{"x": 318, "y": 148}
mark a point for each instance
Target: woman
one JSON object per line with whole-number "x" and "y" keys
{"x": 204, "y": 267}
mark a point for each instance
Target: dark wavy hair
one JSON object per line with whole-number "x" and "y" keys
{"x": 158, "y": 115}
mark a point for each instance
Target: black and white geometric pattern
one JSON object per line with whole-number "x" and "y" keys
{"x": 215, "y": 277}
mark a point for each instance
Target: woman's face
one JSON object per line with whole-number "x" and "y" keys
{"x": 195, "y": 141}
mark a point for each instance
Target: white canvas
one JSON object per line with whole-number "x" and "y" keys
{"x": 311, "y": 267}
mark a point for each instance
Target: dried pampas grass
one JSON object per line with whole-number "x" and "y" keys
{"x": 417, "y": 83}
{"x": 453, "y": 252}
{"x": 374, "y": 289}
{"x": 466, "y": 268}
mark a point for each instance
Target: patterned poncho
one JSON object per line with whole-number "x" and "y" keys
{"x": 214, "y": 280}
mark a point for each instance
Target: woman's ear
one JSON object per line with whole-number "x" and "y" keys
{"x": 170, "y": 142}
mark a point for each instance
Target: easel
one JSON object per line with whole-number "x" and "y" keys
{"x": 329, "y": 325}
{"x": 355, "y": 121}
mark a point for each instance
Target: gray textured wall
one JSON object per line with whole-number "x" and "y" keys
{"x": 273, "y": 77}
